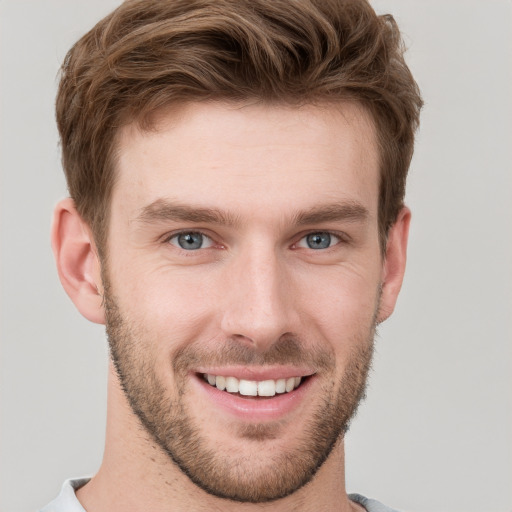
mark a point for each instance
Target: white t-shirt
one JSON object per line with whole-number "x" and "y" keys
{"x": 67, "y": 501}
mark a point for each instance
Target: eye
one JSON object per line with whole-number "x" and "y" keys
{"x": 319, "y": 240}
{"x": 191, "y": 241}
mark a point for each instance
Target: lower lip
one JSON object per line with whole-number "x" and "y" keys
{"x": 254, "y": 409}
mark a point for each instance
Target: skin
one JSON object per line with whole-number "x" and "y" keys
{"x": 255, "y": 283}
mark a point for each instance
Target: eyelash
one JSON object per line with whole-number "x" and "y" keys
{"x": 172, "y": 236}
{"x": 341, "y": 238}
{"x": 338, "y": 239}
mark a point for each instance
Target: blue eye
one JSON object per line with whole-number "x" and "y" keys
{"x": 319, "y": 240}
{"x": 191, "y": 241}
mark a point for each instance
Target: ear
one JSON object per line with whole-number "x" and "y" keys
{"x": 77, "y": 261}
{"x": 393, "y": 266}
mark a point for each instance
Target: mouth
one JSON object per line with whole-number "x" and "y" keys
{"x": 254, "y": 388}
{"x": 255, "y": 395}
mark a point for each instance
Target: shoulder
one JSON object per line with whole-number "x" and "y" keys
{"x": 67, "y": 501}
{"x": 369, "y": 504}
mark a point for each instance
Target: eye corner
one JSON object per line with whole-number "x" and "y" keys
{"x": 319, "y": 240}
{"x": 189, "y": 240}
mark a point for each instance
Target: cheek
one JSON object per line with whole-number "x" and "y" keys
{"x": 175, "y": 306}
{"x": 171, "y": 303}
{"x": 342, "y": 304}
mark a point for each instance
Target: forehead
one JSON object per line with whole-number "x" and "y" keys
{"x": 243, "y": 156}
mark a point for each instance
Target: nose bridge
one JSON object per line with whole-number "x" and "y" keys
{"x": 258, "y": 306}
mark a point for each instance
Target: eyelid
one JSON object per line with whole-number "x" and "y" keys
{"x": 170, "y": 236}
{"x": 340, "y": 236}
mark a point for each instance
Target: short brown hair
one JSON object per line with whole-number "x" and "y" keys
{"x": 149, "y": 54}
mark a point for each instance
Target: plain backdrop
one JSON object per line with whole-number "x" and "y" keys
{"x": 435, "y": 432}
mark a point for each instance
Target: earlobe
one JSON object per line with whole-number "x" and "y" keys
{"x": 393, "y": 268}
{"x": 77, "y": 261}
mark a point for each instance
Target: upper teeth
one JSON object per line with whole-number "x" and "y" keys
{"x": 253, "y": 387}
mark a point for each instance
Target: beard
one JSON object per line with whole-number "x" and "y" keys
{"x": 265, "y": 475}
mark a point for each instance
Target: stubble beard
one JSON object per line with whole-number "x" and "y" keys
{"x": 231, "y": 475}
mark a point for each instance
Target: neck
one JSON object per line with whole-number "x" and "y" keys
{"x": 136, "y": 474}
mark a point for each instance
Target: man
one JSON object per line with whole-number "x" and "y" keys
{"x": 237, "y": 173}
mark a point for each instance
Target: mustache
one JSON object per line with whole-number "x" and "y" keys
{"x": 288, "y": 350}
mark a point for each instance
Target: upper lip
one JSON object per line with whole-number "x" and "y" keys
{"x": 257, "y": 373}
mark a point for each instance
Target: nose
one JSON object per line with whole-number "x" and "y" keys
{"x": 259, "y": 301}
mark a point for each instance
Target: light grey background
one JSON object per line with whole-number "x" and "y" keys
{"x": 435, "y": 433}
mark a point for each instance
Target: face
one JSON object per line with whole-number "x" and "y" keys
{"x": 242, "y": 287}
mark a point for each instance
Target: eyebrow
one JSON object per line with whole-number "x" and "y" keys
{"x": 165, "y": 210}
{"x": 347, "y": 211}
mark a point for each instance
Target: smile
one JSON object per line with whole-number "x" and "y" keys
{"x": 244, "y": 387}
{"x": 255, "y": 394}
